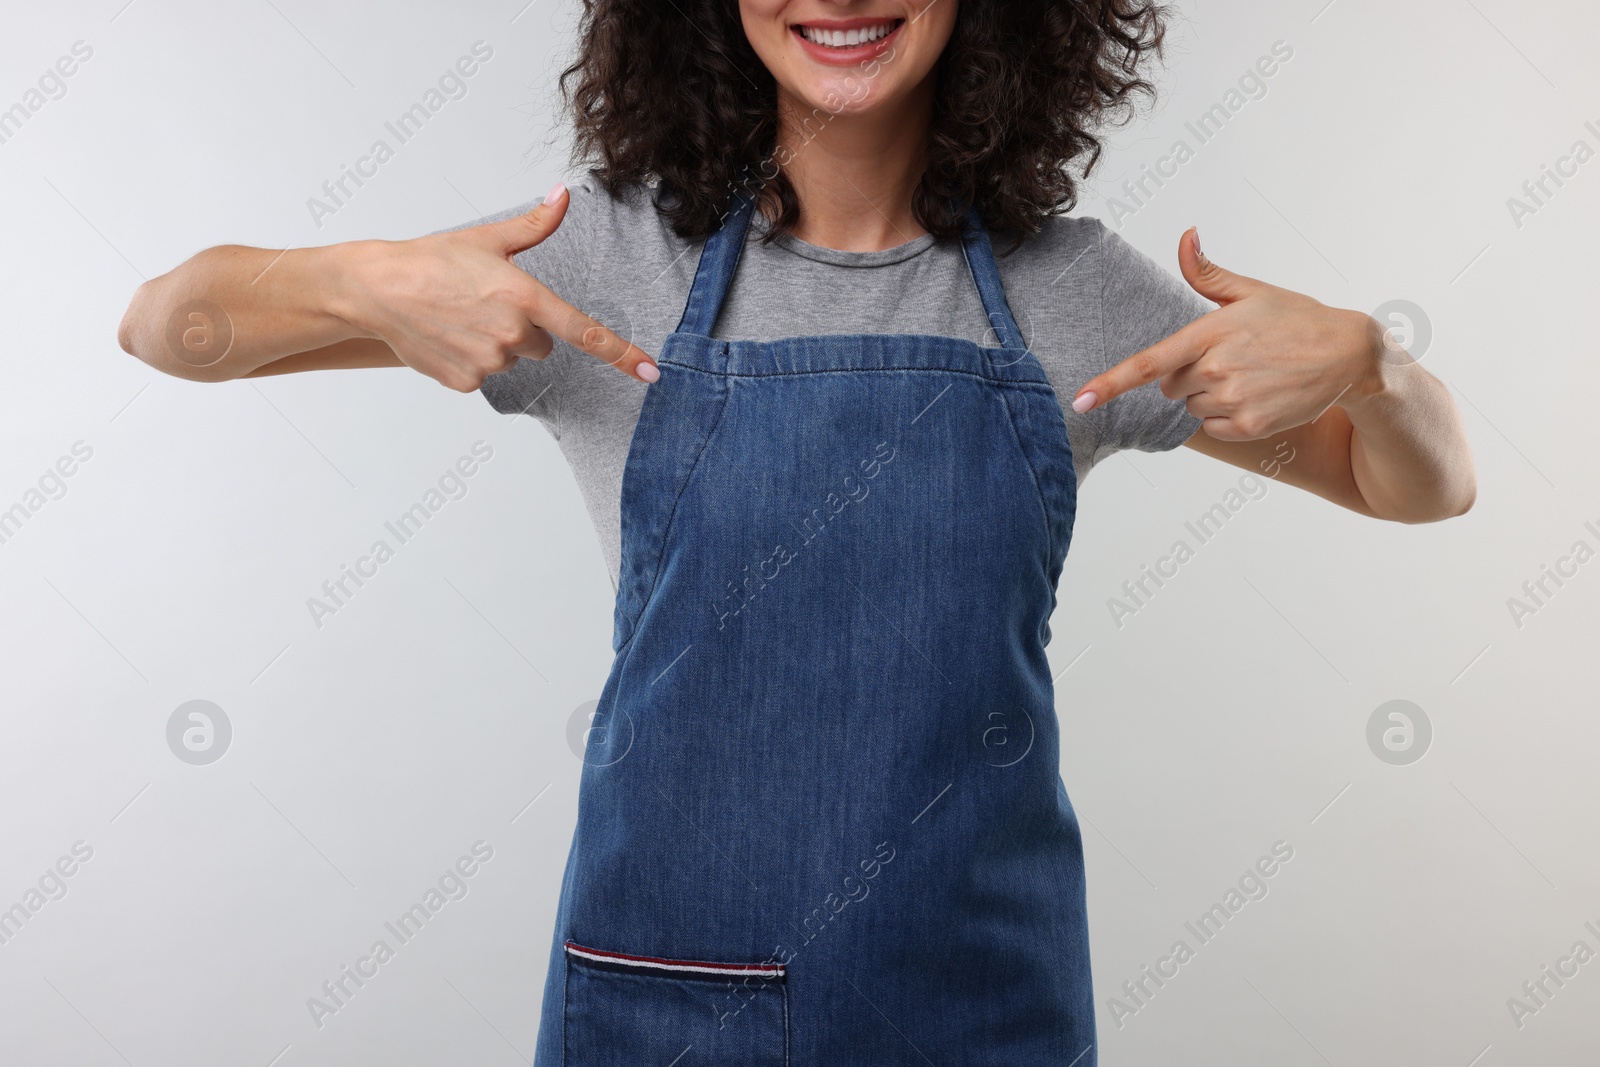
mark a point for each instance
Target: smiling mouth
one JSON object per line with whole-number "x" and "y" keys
{"x": 846, "y": 38}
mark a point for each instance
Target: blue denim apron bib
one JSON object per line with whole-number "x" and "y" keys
{"x": 821, "y": 821}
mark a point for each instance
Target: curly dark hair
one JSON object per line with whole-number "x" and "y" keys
{"x": 672, "y": 95}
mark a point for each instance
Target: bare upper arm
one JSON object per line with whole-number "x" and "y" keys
{"x": 1314, "y": 457}
{"x": 348, "y": 354}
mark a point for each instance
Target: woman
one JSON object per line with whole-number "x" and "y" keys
{"x": 821, "y": 819}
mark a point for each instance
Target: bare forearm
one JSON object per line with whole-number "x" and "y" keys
{"x": 1408, "y": 449}
{"x": 230, "y": 310}
{"x": 454, "y": 306}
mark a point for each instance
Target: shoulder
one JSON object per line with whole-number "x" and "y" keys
{"x": 1062, "y": 245}
{"x": 1053, "y": 279}
{"x": 1081, "y": 254}
{"x": 1065, "y": 263}
{"x": 628, "y": 214}
{"x": 596, "y": 217}
{"x": 618, "y": 240}
{"x": 1079, "y": 250}
{"x": 624, "y": 226}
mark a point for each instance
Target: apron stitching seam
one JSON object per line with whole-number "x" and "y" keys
{"x": 1038, "y": 489}
{"x": 666, "y": 529}
{"x": 858, "y": 370}
{"x": 566, "y": 982}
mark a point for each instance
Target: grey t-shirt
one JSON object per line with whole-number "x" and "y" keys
{"x": 1083, "y": 298}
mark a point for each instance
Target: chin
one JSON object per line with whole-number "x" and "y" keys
{"x": 845, "y": 94}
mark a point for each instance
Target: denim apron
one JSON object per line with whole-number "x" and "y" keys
{"x": 821, "y": 820}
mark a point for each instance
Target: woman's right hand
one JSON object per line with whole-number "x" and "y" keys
{"x": 455, "y": 306}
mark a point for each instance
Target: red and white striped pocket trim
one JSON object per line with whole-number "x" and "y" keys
{"x": 622, "y": 961}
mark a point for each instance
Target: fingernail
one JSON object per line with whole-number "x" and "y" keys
{"x": 556, "y": 195}
{"x": 1084, "y": 402}
{"x": 1197, "y": 251}
{"x": 648, "y": 372}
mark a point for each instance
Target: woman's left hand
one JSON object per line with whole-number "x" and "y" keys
{"x": 1267, "y": 360}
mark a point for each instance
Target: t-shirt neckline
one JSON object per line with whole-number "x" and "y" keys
{"x": 806, "y": 250}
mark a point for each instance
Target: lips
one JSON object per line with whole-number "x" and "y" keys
{"x": 846, "y": 41}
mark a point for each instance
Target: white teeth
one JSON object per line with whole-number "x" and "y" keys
{"x": 847, "y": 38}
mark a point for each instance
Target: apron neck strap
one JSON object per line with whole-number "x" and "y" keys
{"x": 719, "y": 259}
{"x": 980, "y": 260}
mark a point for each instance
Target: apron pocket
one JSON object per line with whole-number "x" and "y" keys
{"x": 627, "y": 1010}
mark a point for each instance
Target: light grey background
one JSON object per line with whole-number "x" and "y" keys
{"x": 432, "y": 711}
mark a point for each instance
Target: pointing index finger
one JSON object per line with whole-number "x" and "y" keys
{"x": 594, "y": 338}
{"x": 1143, "y": 367}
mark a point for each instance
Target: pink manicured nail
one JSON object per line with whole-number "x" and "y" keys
{"x": 556, "y": 195}
{"x": 1084, "y": 402}
{"x": 648, "y": 372}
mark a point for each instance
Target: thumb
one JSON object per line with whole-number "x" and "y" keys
{"x": 1206, "y": 278}
{"x": 530, "y": 228}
